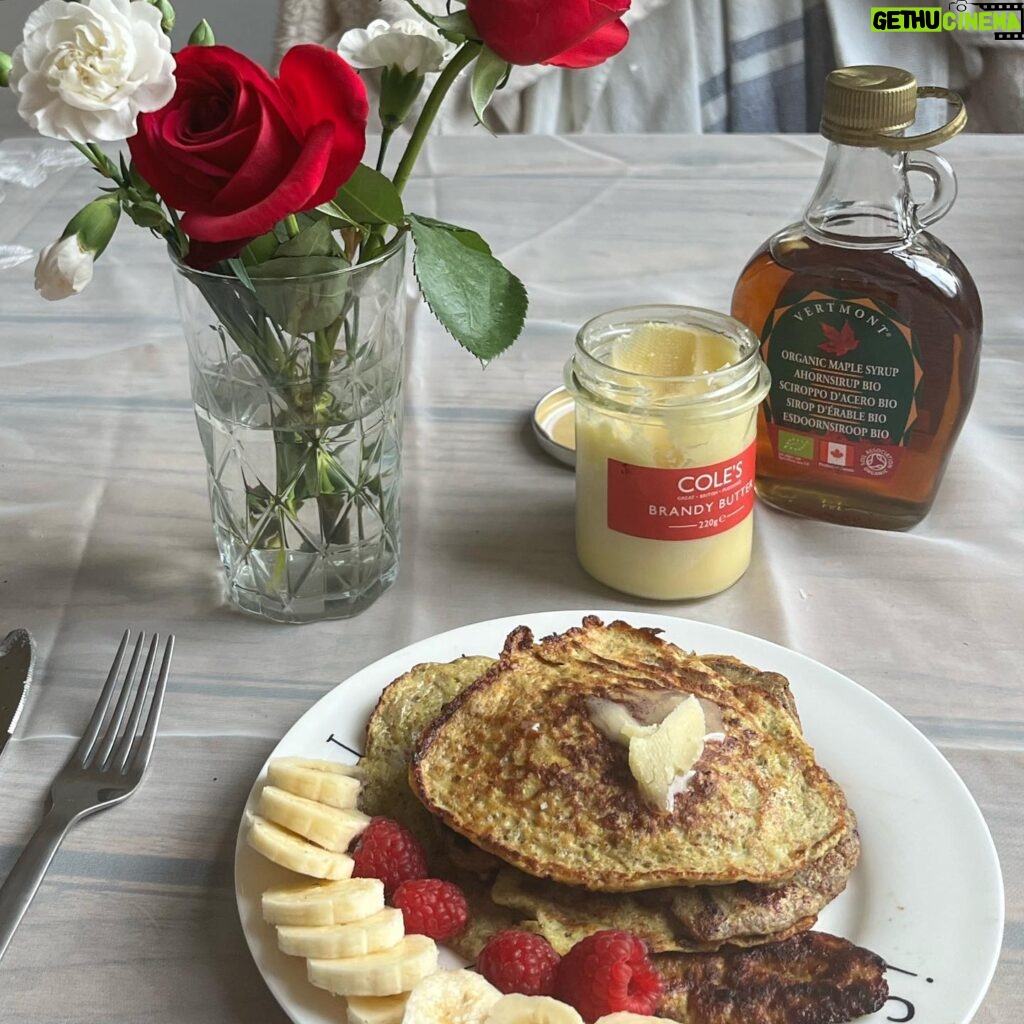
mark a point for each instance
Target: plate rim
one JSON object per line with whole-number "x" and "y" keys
{"x": 657, "y": 620}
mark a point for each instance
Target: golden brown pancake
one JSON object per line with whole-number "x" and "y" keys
{"x": 516, "y": 765}
{"x": 405, "y": 708}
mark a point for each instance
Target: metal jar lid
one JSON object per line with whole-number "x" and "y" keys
{"x": 870, "y": 105}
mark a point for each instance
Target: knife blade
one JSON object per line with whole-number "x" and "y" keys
{"x": 17, "y": 654}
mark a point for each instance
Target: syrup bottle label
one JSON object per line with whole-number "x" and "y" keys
{"x": 846, "y": 374}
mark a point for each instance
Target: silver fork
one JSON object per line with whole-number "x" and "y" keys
{"x": 101, "y": 772}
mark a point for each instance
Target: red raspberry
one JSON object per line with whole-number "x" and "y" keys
{"x": 431, "y": 907}
{"x": 389, "y": 851}
{"x": 515, "y": 961}
{"x": 607, "y": 972}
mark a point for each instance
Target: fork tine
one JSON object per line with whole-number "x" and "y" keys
{"x": 142, "y": 692}
{"x": 92, "y": 730}
{"x": 114, "y": 725}
{"x": 143, "y": 749}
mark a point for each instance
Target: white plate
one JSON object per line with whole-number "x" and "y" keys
{"x": 927, "y": 894}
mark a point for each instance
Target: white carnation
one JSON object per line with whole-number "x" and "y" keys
{"x": 64, "y": 268}
{"x": 84, "y": 71}
{"x": 409, "y": 44}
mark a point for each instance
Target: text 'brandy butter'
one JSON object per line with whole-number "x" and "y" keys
{"x": 666, "y": 400}
{"x": 870, "y": 326}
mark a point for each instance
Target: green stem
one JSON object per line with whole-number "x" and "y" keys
{"x": 291, "y": 225}
{"x": 180, "y": 238}
{"x": 465, "y": 56}
{"x": 385, "y": 138}
{"x": 106, "y": 166}
{"x": 89, "y": 155}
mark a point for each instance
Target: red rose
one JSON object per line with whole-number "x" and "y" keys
{"x": 569, "y": 33}
{"x": 237, "y": 150}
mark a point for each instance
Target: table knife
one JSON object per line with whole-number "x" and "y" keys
{"x": 17, "y": 652}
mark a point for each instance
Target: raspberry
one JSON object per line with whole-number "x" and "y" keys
{"x": 607, "y": 972}
{"x": 389, "y": 851}
{"x": 431, "y": 907}
{"x": 515, "y": 961}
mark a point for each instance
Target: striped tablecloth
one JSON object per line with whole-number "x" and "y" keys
{"x": 104, "y": 523}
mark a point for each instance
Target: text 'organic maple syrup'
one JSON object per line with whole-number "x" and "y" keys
{"x": 870, "y": 326}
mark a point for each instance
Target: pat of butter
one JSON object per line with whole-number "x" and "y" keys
{"x": 661, "y": 760}
{"x": 662, "y": 752}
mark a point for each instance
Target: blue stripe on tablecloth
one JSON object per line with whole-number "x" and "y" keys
{"x": 39, "y": 316}
{"x": 125, "y": 867}
{"x": 988, "y": 732}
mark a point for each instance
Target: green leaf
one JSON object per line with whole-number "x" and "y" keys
{"x": 260, "y": 249}
{"x": 335, "y": 212}
{"x": 476, "y": 299}
{"x": 314, "y": 240}
{"x": 301, "y": 293}
{"x": 241, "y": 272}
{"x": 368, "y": 197}
{"x": 470, "y": 239}
{"x": 456, "y": 27}
{"x": 147, "y": 214}
{"x": 489, "y": 73}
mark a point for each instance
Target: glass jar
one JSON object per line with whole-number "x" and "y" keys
{"x": 666, "y": 406}
{"x": 297, "y": 388}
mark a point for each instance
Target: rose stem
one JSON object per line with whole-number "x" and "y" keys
{"x": 463, "y": 57}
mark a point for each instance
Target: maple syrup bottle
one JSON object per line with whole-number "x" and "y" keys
{"x": 870, "y": 326}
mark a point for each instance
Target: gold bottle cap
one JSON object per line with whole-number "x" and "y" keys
{"x": 870, "y": 104}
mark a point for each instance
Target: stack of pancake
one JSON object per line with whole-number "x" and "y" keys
{"x": 501, "y": 770}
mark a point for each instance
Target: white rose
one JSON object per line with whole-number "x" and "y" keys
{"x": 409, "y": 44}
{"x": 85, "y": 70}
{"x": 64, "y": 268}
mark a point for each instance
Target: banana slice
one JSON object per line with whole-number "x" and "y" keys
{"x": 293, "y": 852}
{"x": 625, "y": 1017}
{"x": 381, "y": 931}
{"x": 328, "y": 782}
{"x": 451, "y": 997}
{"x": 324, "y": 903}
{"x": 518, "y": 1009}
{"x": 328, "y": 827}
{"x": 376, "y": 1009}
{"x": 385, "y": 973}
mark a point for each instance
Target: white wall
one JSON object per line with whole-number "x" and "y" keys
{"x": 247, "y": 25}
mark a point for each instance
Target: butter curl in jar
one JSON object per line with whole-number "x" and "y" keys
{"x": 666, "y": 420}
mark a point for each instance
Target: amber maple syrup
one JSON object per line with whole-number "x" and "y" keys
{"x": 870, "y": 326}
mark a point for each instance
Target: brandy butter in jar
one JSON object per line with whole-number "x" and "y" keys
{"x": 666, "y": 407}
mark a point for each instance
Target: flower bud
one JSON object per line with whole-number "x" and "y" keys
{"x": 202, "y": 35}
{"x": 5, "y": 69}
{"x": 95, "y": 223}
{"x": 64, "y": 269}
{"x": 398, "y": 92}
{"x": 167, "y": 15}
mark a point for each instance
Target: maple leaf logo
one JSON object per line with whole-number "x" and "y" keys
{"x": 838, "y": 342}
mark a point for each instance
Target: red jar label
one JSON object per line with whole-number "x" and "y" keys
{"x": 680, "y": 504}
